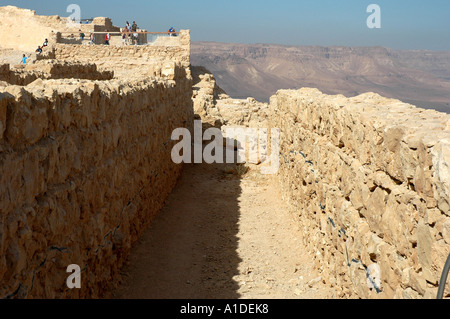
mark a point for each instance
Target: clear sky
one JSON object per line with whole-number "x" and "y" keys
{"x": 405, "y": 24}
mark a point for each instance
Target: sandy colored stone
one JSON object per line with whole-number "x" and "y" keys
{"x": 88, "y": 167}
{"x": 398, "y": 198}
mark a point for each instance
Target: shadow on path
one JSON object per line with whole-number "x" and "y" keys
{"x": 190, "y": 251}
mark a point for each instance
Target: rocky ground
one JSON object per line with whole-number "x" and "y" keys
{"x": 11, "y": 57}
{"x": 223, "y": 235}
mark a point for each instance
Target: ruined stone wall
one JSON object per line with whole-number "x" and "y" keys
{"x": 85, "y": 167}
{"x": 180, "y": 53}
{"x": 51, "y": 69}
{"x": 216, "y": 109}
{"x": 369, "y": 179}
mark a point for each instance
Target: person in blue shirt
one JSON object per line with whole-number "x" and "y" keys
{"x": 24, "y": 59}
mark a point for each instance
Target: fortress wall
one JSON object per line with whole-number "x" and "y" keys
{"x": 85, "y": 167}
{"x": 23, "y": 30}
{"x": 369, "y": 179}
{"x": 50, "y": 69}
{"x": 177, "y": 53}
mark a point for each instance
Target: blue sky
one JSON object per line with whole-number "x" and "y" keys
{"x": 405, "y": 24}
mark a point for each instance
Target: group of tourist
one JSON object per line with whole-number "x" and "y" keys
{"x": 39, "y": 50}
{"x": 130, "y": 34}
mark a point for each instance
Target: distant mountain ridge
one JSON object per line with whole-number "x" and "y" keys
{"x": 421, "y": 78}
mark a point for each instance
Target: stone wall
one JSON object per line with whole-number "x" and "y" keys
{"x": 216, "y": 109}
{"x": 369, "y": 180}
{"x": 180, "y": 53}
{"x": 51, "y": 69}
{"x": 85, "y": 167}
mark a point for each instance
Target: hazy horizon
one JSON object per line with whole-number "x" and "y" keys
{"x": 317, "y": 45}
{"x": 405, "y": 25}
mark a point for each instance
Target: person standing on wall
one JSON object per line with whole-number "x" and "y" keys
{"x": 125, "y": 35}
{"x": 135, "y": 34}
{"x": 172, "y": 32}
{"x": 82, "y": 35}
{"x": 91, "y": 37}
{"x": 107, "y": 37}
{"x": 129, "y": 30}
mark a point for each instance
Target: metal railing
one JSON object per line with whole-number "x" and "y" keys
{"x": 124, "y": 32}
{"x": 145, "y": 37}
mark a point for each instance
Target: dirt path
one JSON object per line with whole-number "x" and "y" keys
{"x": 222, "y": 236}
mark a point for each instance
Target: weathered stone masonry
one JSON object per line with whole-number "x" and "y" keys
{"x": 369, "y": 180}
{"x": 51, "y": 69}
{"x": 179, "y": 51}
{"x": 85, "y": 166}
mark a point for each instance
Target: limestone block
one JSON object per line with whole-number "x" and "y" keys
{"x": 446, "y": 231}
{"x": 168, "y": 70}
{"x": 441, "y": 164}
{"x": 375, "y": 208}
